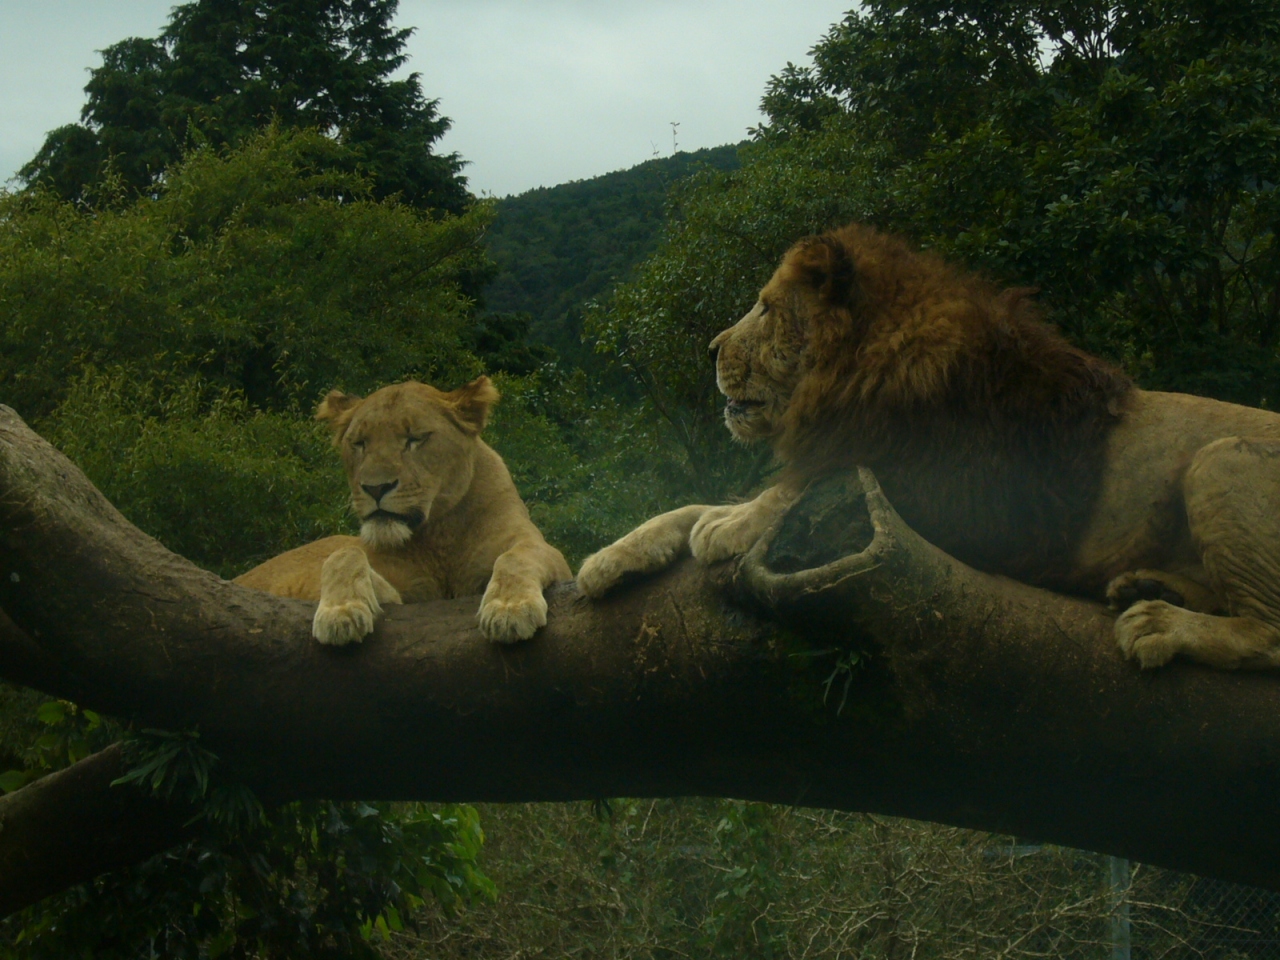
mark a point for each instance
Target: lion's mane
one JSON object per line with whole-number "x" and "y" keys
{"x": 985, "y": 426}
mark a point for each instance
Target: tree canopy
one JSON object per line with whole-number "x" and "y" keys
{"x": 558, "y": 247}
{"x": 223, "y": 69}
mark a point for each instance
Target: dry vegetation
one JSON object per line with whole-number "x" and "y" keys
{"x": 696, "y": 878}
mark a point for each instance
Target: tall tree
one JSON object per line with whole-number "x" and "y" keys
{"x": 222, "y": 69}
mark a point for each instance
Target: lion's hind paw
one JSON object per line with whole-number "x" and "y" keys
{"x": 1129, "y": 588}
{"x": 1174, "y": 589}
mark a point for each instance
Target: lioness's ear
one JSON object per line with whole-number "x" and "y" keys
{"x": 473, "y": 402}
{"x": 824, "y": 264}
{"x": 335, "y": 410}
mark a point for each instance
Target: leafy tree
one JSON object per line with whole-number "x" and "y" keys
{"x": 558, "y": 247}
{"x": 263, "y": 270}
{"x": 223, "y": 69}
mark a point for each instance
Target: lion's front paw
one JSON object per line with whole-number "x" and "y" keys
{"x": 1149, "y": 633}
{"x": 508, "y": 619}
{"x": 725, "y": 532}
{"x": 604, "y": 570}
{"x": 343, "y": 623}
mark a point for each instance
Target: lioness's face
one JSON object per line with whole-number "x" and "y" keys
{"x": 409, "y": 451}
{"x": 758, "y": 360}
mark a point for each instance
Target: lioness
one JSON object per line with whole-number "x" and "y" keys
{"x": 439, "y": 517}
{"x": 999, "y": 442}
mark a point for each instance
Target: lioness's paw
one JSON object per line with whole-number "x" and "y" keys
{"x": 507, "y": 620}
{"x": 1148, "y": 632}
{"x": 342, "y": 623}
{"x": 724, "y": 532}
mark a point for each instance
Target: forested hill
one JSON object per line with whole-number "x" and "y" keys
{"x": 556, "y": 247}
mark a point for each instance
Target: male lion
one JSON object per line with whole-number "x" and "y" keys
{"x": 439, "y": 517}
{"x": 999, "y": 442}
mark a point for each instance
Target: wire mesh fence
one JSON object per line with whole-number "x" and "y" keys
{"x": 1179, "y": 915}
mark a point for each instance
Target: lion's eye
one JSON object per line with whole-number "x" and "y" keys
{"x": 413, "y": 443}
{"x": 358, "y": 445}
{"x": 764, "y": 308}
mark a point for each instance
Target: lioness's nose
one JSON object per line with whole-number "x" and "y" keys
{"x": 379, "y": 490}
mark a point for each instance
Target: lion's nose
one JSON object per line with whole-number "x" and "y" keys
{"x": 714, "y": 346}
{"x": 379, "y": 490}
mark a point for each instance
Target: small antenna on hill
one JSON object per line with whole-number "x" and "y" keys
{"x": 655, "y": 148}
{"x": 674, "y": 124}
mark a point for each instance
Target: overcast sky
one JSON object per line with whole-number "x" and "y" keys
{"x": 539, "y": 91}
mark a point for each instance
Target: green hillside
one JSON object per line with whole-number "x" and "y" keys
{"x": 557, "y": 247}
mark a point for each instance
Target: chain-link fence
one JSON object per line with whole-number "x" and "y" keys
{"x": 1178, "y": 915}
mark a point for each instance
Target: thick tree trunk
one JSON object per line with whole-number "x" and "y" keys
{"x": 975, "y": 700}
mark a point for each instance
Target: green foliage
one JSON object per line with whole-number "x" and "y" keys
{"x": 314, "y": 879}
{"x": 223, "y": 69}
{"x": 587, "y": 465}
{"x": 222, "y": 484}
{"x": 66, "y": 734}
{"x": 305, "y": 879}
{"x": 260, "y": 270}
{"x": 559, "y": 247}
{"x": 501, "y": 342}
{"x": 165, "y": 762}
{"x": 722, "y": 241}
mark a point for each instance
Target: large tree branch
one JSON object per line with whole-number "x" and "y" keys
{"x": 983, "y": 703}
{"x": 72, "y": 825}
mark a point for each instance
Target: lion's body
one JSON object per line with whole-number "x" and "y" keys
{"x": 1002, "y": 444}
{"x": 449, "y": 522}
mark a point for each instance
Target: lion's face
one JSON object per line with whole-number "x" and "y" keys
{"x": 409, "y": 450}
{"x": 759, "y": 360}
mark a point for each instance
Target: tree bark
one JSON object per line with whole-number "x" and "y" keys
{"x": 974, "y": 700}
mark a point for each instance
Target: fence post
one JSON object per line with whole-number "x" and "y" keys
{"x": 1118, "y": 884}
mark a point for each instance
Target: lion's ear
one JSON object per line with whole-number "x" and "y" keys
{"x": 335, "y": 409}
{"x": 824, "y": 264}
{"x": 472, "y": 403}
